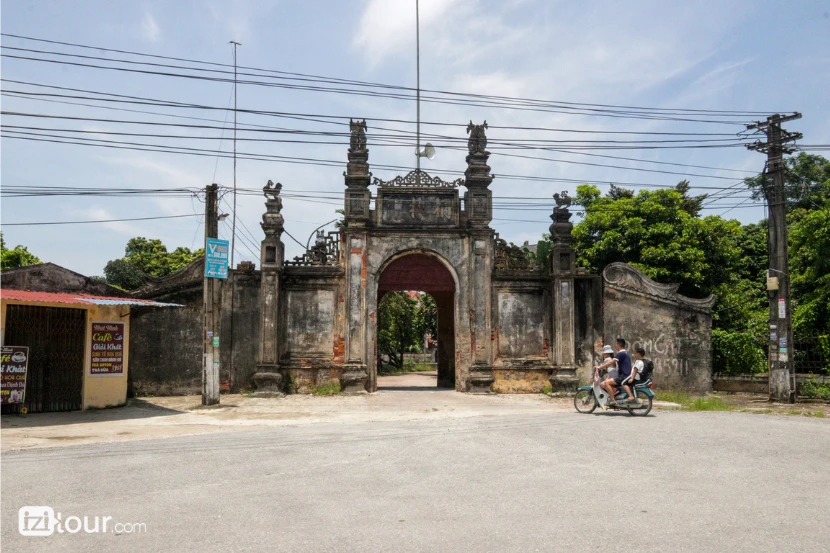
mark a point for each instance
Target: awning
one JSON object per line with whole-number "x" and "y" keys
{"x": 78, "y": 299}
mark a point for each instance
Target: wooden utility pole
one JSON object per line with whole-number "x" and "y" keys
{"x": 781, "y": 362}
{"x": 210, "y": 357}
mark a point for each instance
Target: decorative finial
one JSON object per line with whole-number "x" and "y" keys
{"x": 270, "y": 190}
{"x": 562, "y": 200}
{"x": 357, "y": 141}
{"x": 478, "y": 140}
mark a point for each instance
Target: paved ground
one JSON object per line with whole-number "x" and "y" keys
{"x": 409, "y": 397}
{"x": 521, "y": 475}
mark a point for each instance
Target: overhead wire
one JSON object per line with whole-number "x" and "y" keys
{"x": 317, "y": 78}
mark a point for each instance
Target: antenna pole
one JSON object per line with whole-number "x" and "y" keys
{"x": 233, "y": 225}
{"x": 417, "y": 94}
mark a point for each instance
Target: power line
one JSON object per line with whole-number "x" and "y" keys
{"x": 318, "y": 78}
{"x": 521, "y": 106}
{"x": 31, "y": 223}
{"x": 137, "y": 146}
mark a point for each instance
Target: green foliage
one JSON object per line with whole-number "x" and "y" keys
{"x": 694, "y": 403}
{"x": 710, "y": 404}
{"x": 19, "y": 256}
{"x": 402, "y": 323}
{"x": 814, "y": 390}
{"x": 123, "y": 274}
{"x": 660, "y": 233}
{"x": 145, "y": 257}
{"x": 397, "y": 330}
{"x": 806, "y": 181}
{"x": 426, "y": 317}
{"x": 809, "y": 233}
{"x": 330, "y": 389}
{"x": 408, "y": 367}
{"x": 737, "y": 353}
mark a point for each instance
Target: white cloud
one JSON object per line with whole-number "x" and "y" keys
{"x": 150, "y": 29}
{"x": 102, "y": 214}
{"x": 387, "y": 27}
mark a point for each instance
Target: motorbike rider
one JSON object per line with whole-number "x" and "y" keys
{"x": 623, "y": 363}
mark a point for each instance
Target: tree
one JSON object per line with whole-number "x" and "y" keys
{"x": 806, "y": 181}
{"x": 809, "y": 233}
{"x": 146, "y": 257}
{"x": 426, "y": 317}
{"x": 660, "y": 233}
{"x": 19, "y": 256}
{"x": 123, "y": 274}
{"x": 397, "y": 328}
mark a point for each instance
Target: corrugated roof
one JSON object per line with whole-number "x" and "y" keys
{"x": 78, "y": 299}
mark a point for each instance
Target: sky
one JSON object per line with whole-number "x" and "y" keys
{"x": 749, "y": 56}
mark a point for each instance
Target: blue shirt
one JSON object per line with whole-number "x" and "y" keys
{"x": 623, "y": 363}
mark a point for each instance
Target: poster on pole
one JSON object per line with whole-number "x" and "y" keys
{"x": 15, "y": 364}
{"x": 216, "y": 258}
{"x": 107, "y": 352}
{"x": 782, "y": 308}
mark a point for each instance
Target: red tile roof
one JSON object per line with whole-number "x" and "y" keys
{"x": 75, "y": 299}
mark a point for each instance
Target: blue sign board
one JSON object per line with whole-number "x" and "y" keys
{"x": 216, "y": 258}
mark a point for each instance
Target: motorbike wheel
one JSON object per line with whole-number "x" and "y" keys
{"x": 644, "y": 409}
{"x": 585, "y": 402}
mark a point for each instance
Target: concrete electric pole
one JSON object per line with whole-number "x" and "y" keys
{"x": 781, "y": 362}
{"x": 210, "y": 335}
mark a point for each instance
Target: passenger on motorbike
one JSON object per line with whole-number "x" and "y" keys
{"x": 623, "y": 362}
{"x": 639, "y": 365}
{"x": 608, "y": 360}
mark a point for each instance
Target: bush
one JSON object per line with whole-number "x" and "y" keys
{"x": 814, "y": 390}
{"x": 737, "y": 353}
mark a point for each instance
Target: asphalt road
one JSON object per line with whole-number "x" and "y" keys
{"x": 560, "y": 482}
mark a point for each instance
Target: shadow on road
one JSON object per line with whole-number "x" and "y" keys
{"x": 134, "y": 409}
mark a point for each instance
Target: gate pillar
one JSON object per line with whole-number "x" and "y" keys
{"x": 357, "y": 176}
{"x": 478, "y": 201}
{"x": 562, "y": 267}
{"x": 267, "y": 378}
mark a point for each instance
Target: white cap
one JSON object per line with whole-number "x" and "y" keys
{"x": 607, "y": 349}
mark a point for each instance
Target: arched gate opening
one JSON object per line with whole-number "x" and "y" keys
{"x": 425, "y": 273}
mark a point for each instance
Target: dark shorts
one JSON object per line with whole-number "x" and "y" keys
{"x": 619, "y": 380}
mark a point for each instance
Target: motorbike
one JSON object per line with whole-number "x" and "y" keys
{"x": 588, "y": 398}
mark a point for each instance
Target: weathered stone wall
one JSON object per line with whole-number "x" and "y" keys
{"x": 521, "y": 323}
{"x": 588, "y": 327}
{"x": 674, "y": 330}
{"x": 311, "y": 328}
{"x": 521, "y": 333}
{"x": 239, "y": 336}
{"x": 166, "y": 347}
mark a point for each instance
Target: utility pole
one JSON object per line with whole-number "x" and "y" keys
{"x": 417, "y": 93}
{"x": 781, "y": 362}
{"x": 210, "y": 349}
{"x": 233, "y": 225}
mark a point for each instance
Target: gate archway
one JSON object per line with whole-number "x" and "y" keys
{"x": 424, "y": 272}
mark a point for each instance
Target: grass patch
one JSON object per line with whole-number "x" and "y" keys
{"x": 330, "y": 389}
{"x": 389, "y": 370}
{"x": 710, "y": 404}
{"x": 693, "y": 403}
{"x": 674, "y": 396}
{"x": 547, "y": 390}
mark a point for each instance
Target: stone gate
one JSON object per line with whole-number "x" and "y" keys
{"x": 505, "y": 322}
